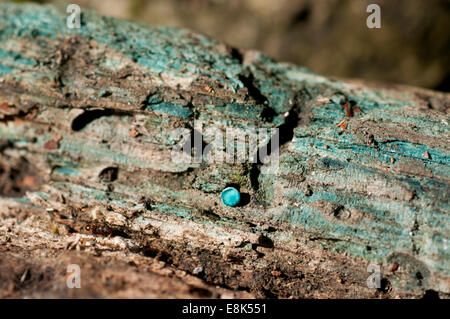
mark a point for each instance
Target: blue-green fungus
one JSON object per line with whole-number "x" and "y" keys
{"x": 230, "y": 196}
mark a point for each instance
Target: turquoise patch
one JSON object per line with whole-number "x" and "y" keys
{"x": 230, "y": 196}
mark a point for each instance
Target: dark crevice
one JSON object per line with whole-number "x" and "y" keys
{"x": 284, "y": 134}
{"x": 157, "y": 254}
{"x": 254, "y": 176}
{"x": 338, "y": 211}
{"x": 147, "y": 100}
{"x": 265, "y": 241}
{"x": 384, "y": 285}
{"x": 236, "y": 54}
{"x": 418, "y": 275}
{"x": 414, "y": 231}
{"x": 11, "y": 118}
{"x": 268, "y": 294}
{"x": 109, "y": 174}
{"x": 198, "y": 150}
{"x": 208, "y": 213}
{"x": 253, "y": 91}
{"x": 88, "y": 116}
{"x": 200, "y": 292}
{"x": 267, "y": 114}
{"x": 27, "y": 114}
{"x": 4, "y": 144}
{"x": 245, "y": 199}
{"x": 431, "y": 294}
{"x": 82, "y": 120}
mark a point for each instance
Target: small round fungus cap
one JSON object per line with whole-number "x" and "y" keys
{"x": 230, "y": 196}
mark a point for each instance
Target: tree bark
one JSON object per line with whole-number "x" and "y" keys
{"x": 86, "y": 123}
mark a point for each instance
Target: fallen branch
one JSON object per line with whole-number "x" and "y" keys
{"x": 86, "y": 121}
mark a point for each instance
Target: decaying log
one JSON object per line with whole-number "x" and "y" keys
{"x": 86, "y": 121}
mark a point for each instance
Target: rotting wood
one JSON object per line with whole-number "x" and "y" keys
{"x": 86, "y": 117}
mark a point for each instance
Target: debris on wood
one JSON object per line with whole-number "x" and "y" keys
{"x": 134, "y": 132}
{"x": 322, "y": 100}
{"x": 348, "y": 109}
{"x": 51, "y": 145}
{"x": 342, "y": 124}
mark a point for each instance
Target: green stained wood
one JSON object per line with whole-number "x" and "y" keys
{"x": 376, "y": 190}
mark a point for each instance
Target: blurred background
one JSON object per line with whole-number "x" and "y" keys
{"x": 329, "y": 37}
